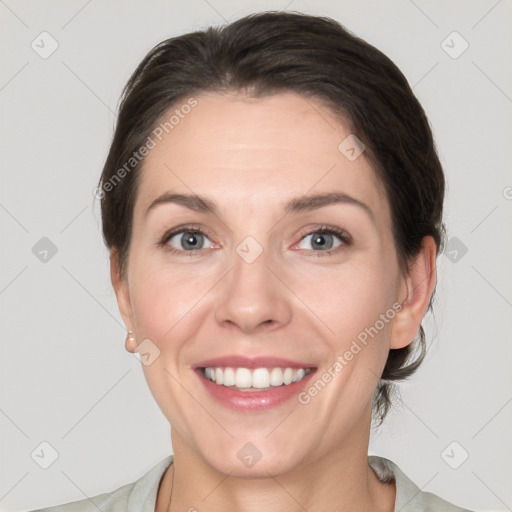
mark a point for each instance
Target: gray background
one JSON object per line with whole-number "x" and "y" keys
{"x": 66, "y": 379}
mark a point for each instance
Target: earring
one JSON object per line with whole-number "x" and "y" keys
{"x": 131, "y": 342}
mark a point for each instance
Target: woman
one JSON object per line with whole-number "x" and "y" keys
{"x": 272, "y": 201}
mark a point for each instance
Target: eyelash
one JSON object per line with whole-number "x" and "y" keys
{"x": 344, "y": 237}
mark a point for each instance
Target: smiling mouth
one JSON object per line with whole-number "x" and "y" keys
{"x": 257, "y": 379}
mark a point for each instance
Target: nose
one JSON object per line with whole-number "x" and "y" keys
{"x": 252, "y": 298}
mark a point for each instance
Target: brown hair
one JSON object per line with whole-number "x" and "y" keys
{"x": 265, "y": 53}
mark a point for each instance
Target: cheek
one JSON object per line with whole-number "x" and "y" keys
{"x": 356, "y": 303}
{"x": 162, "y": 299}
{"x": 166, "y": 304}
{"x": 350, "y": 299}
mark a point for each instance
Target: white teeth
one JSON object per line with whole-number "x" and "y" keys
{"x": 243, "y": 378}
{"x": 276, "y": 377}
{"x": 228, "y": 377}
{"x": 259, "y": 378}
{"x": 288, "y": 376}
{"x": 299, "y": 375}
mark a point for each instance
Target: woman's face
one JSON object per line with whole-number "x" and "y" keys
{"x": 250, "y": 273}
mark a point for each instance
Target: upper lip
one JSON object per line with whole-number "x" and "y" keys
{"x": 235, "y": 361}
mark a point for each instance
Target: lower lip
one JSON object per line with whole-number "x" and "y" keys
{"x": 254, "y": 400}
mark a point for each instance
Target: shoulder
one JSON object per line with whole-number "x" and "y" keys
{"x": 409, "y": 497}
{"x": 116, "y": 501}
{"x": 138, "y": 496}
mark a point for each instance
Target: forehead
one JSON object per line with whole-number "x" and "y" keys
{"x": 243, "y": 150}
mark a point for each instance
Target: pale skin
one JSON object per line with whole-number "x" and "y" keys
{"x": 295, "y": 300}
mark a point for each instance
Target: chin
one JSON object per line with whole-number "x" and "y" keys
{"x": 257, "y": 465}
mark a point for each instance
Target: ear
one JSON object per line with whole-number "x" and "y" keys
{"x": 122, "y": 292}
{"x": 415, "y": 292}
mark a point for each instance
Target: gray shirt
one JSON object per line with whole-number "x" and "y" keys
{"x": 140, "y": 496}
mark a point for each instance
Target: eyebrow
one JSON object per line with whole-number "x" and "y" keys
{"x": 297, "y": 205}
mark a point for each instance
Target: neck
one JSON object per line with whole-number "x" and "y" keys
{"x": 340, "y": 480}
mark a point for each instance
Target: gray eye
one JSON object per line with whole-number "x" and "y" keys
{"x": 188, "y": 240}
{"x": 320, "y": 241}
